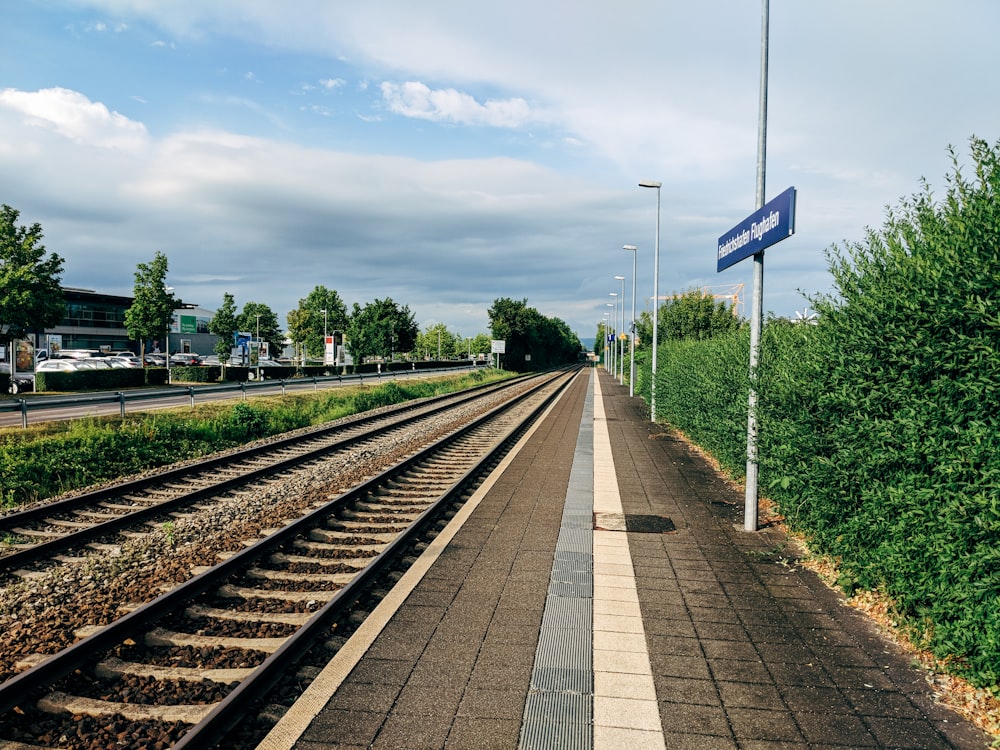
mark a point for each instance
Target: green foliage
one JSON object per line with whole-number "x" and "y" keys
{"x": 695, "y": 315}
{"x": 701, "y": 389}
{"x": 260, "y": 320}
{"x": 195, "y": 373}
{"x": 481, "y": 344}
{"x": 533, "y": 342}
{"x": 907, "y": 370}
{"x": 380, "y": 329}
{"x": 879, "y": 430}
{"x": 153, "y": 304}
{"x": 437, "y": 342}
{"x": 44, "y": 461}
{"x": 223, "y": 324}
{"x": 246, "y": 422}
{"x": 30, "y": 295}
{"x": 307, "y": 323}
{"x": 85, "y": 380}
{"x": 383, "y": 395}
{"x": 91, "y": 451}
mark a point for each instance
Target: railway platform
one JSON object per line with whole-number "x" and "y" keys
{"x": 599, "y": 592}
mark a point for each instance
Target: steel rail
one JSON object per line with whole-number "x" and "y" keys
{"x": 28, "y": 683}
{"x": 227, "y": 713}
{"x": 42, "y": 550}
{"x": 43, "y": 402}
{"x": 28, "y": 515}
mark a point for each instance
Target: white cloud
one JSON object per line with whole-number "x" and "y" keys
{"x": 417, "y": 100}
{"x": 74, "y": 116}
{"x": 614, "y": 94}
{"x": 266, "y": 220}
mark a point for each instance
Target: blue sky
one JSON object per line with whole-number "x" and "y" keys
{"x": 445, "y": 154}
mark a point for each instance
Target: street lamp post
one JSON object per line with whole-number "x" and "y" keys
{"x": 166, "y": 340}
{"x": 631, "y": 360}
{"x": 614, "y": 334}
{"x": 607, "y": 327}
{"x": 656, "y": 295}
{"x": 621, "y": 344}
{"x": 258, "y": 346}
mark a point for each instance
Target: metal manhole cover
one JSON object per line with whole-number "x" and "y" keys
{"x": 633, "y": 522}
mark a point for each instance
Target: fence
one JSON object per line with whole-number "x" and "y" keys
{"x": 123, "y": 398}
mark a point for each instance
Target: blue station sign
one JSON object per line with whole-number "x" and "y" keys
{"x": 772, "y": 223}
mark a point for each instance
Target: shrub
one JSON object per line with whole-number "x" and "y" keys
{"x": 84, "y": 380}
{"x": 879, "y": 430}
{"x": 701, "y": 389}
{"x": 195, "y": 374}
{"x": 47, "y": 459}
{"x": 246, "y": 422}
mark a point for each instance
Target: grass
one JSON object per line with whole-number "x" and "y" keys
{"x": 51, "y": 458}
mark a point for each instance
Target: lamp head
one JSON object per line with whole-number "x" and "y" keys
{"x": 633, "y": 248}
{"x": 650, "y": 184}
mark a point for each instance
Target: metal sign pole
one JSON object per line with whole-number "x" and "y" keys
{"x": 750, "y": 507}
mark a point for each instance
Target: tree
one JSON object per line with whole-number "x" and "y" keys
{"x": 695, "y": 315}
{"x": 153, "y": 304}
{"x": 481, "y": 344}
{"x": 30, "y": 295}
{"x": 260, "y": 320}
{"x": 437, "y": 342}
{"x": 307, "y": 323}
{"x": 533, "y": 341}
{"x": 692, "y": 315}
{"x": 600, "y": 340}
{"x": 223, "y": 324}
{"x": 380, "y": 329}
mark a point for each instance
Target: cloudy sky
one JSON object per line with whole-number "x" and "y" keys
{"x": 446, "y": 153}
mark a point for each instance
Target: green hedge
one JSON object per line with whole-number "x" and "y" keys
{"x": 84, "y": 380}
{"x": 195, "y": 374}
{"x": 879, "y": 427}
{"x": 701, "y": 388}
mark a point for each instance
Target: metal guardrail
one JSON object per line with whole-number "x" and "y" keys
{"x": 122, "y": 398}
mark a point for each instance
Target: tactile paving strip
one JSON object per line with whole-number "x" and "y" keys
{"x": 559, "y": 712}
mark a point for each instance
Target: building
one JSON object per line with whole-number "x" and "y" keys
{"x": 97, "y": 321}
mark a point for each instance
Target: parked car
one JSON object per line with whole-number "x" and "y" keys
{"x": 185, "y": 359}
{"x": 57, "y": 365}
{"x": 125, "y": 361}
{"x": 95, "y": 363}
{"x": 155, "y": 360}
{"x": 80, "y": 353}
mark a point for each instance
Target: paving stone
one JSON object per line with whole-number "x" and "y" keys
{"x": 747, "y": 649}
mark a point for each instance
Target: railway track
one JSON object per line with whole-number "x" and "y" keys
{"x": 62, "y": 530}
{"x": 237, "y": 637}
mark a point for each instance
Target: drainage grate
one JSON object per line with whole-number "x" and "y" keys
{"x": 633, "y": 522}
